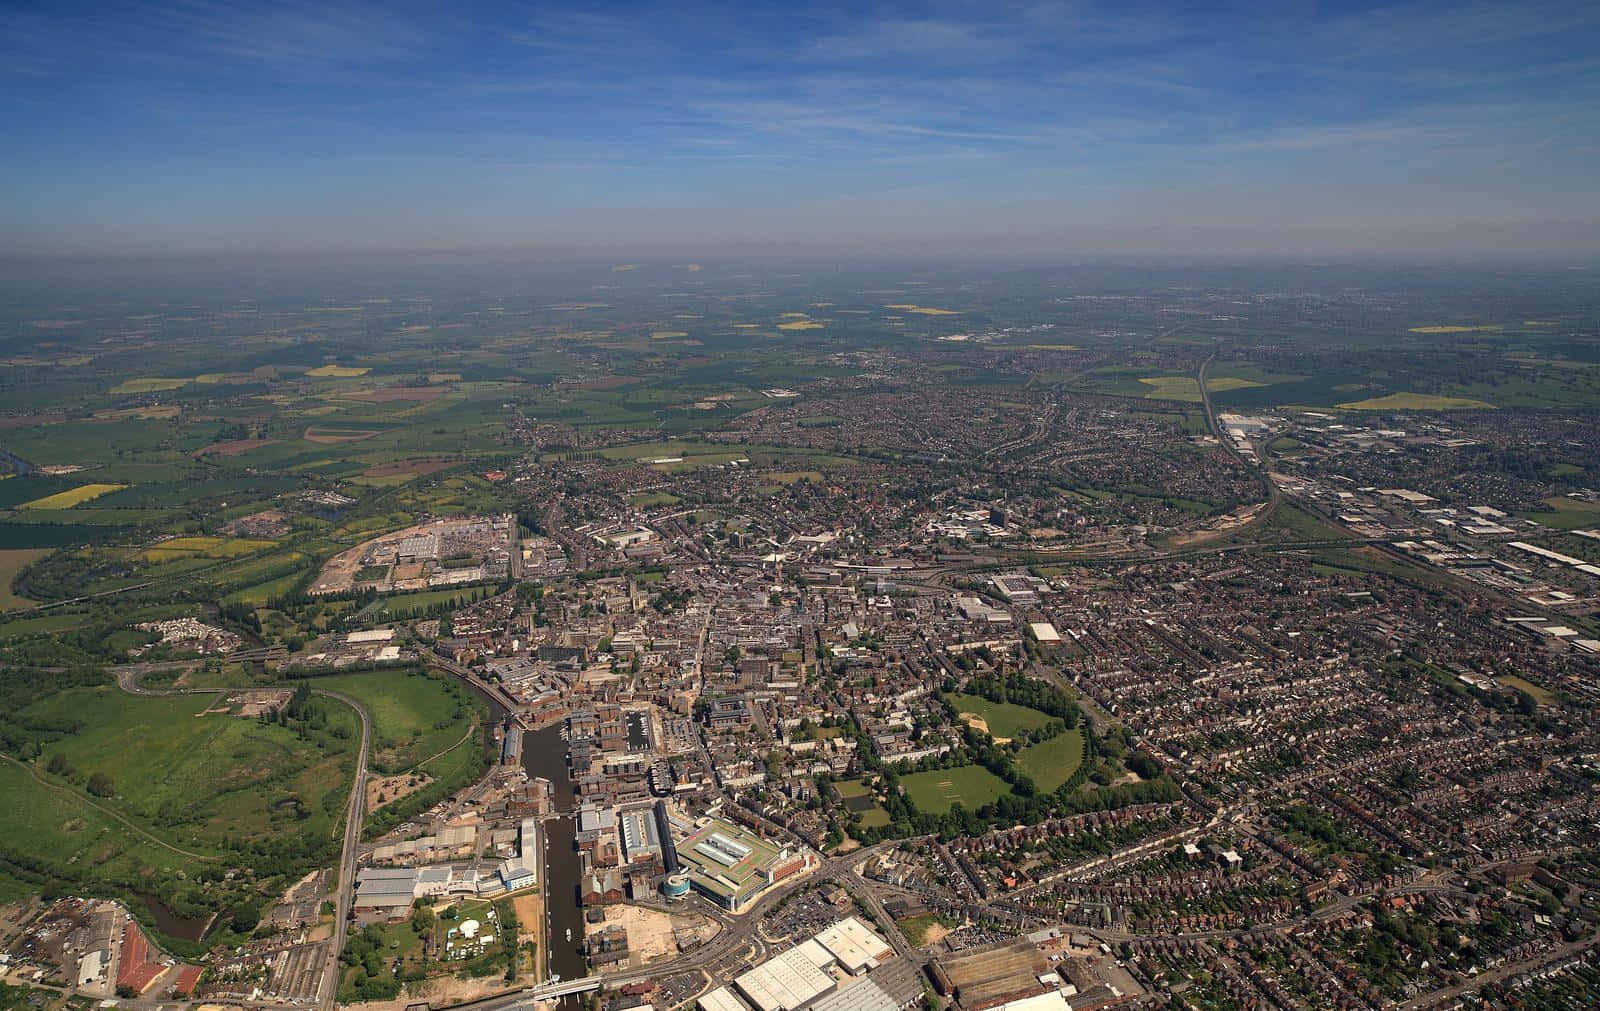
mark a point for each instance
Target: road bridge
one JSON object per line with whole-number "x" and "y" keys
{"x": 565, "y": 988}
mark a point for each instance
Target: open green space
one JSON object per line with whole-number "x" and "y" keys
{"x": 1051, "y": 763}
{"x": 1415, "y": 402}
{"x": 1004, "y": 719}
{"x": 1298, "y": 524}
{"x": 73, "y": 836}
{"x": 917, "y": 928}
{"x": 1566, "y": 513}
{"x": 875, "y": 816}
{"x": 12, "y": 563}
{"x": 851, "y": 788}
{"x": 1543, "y": 696}
{"x": 415, "y": 715}
{"x": 650, "y": 500}
{"x": 127, "y": 796}
{"x": 934, "y": 792}
{"x": 378, "y": 959}
{"x": 208, "y": 777}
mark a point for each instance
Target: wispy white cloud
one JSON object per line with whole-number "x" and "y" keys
{"x": 955, "y": 103}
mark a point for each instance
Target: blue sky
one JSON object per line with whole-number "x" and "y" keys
{"x": 1064, "y": 127}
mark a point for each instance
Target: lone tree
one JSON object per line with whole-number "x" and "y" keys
{"x": 101, "y": 785}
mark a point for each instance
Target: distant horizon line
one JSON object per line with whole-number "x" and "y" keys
{"x": 655, "y": 257}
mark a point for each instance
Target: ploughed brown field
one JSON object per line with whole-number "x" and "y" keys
{"x": 387, "y": 394}
{"x": 233, "y": 447}
{"x": 415, "y": 467}
{"x": 333, "y": 436}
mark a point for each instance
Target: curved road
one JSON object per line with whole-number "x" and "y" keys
{"x": 734, "y": 936}
{"x": 355, "y": 811}
{"x": 1274, "y": 496}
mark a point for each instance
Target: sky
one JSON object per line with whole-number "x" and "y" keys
{"x": 1060, "y": 129}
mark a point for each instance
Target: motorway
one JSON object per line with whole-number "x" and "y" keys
{"x": 1274, "y": 496}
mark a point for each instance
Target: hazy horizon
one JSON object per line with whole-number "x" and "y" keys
{"x": 1053, "y": 131}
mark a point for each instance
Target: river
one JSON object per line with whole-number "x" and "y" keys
{"x": 173, "y": 925}
{"x": 544, "y": 753}
{"x": 18, "y": 464}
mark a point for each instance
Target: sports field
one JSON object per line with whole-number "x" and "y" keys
{"x": 1051, "y": 763}
{"x": 1000, "y": 720}
{"x": 934, "y": 792}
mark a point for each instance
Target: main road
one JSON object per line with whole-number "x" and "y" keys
{"x": 733, "y": 937}
{"x": 355, "y": 812}
{"x": 1274, "y": 496}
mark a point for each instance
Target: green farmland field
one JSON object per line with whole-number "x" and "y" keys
{"x": 11, "y": 565}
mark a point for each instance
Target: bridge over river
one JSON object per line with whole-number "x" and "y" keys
{"x": 565, "y": 988}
